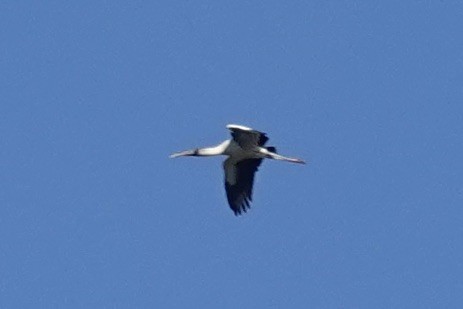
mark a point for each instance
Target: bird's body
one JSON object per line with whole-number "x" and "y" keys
{"x": 245, "y": 153}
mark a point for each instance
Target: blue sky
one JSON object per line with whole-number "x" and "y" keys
{"x": 96, "y": 94}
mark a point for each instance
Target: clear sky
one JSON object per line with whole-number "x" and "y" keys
{"x": 96, "y": 94}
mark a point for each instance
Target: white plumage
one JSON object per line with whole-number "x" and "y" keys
{"x": 245, "y": 153}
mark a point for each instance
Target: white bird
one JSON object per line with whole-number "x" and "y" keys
{"x": 245, "y": 151}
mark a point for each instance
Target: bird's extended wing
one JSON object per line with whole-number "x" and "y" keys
{"x": 246, "y": 137}
{"x": 239, "y": 179}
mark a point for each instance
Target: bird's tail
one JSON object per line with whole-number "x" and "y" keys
{"x": 272, "y": 149}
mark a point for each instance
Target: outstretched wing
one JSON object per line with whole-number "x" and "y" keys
{"x": 246, "y": 137}
{"x": 239, "y": 179}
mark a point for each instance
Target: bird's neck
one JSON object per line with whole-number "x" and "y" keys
{"x": 213, "y": 151}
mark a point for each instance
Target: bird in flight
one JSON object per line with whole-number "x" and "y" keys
{"x": 245, "y": 150}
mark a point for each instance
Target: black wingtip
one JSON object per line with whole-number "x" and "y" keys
{"x": 241, "y": 209}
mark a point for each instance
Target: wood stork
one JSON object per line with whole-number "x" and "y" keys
{"x": 245, "y": 151}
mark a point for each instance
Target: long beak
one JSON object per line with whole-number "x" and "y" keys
{"x": 182, "y": 154}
